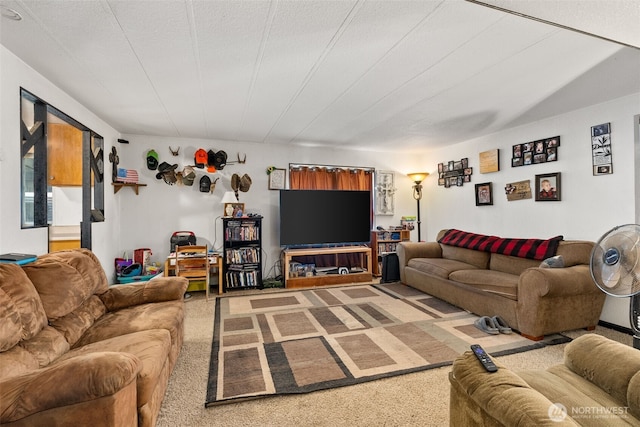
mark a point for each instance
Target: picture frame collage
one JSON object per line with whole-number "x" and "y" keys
{"x": 454, "y": 173}
{"x": 535, "y": 152}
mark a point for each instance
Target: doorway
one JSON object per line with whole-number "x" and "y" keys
{"x": 64, "y": 179}
{"x": 61, "y": 174}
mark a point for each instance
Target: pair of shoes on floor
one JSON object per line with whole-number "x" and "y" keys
{"x": 493, "y": 325}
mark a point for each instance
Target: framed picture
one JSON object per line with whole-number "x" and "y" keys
{"x": 235, "y": 210}
{"x": 601, "y": 149}
{"x": 548, "y": 187}
{"x": 484, "y": 194}
{"x": 277, "y": 179}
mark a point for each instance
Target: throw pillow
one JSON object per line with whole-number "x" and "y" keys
{"x": 553, "y": 262}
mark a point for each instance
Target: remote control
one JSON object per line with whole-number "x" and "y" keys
{"x": 484, "y": 358}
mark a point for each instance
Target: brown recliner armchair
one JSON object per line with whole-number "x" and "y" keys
{"x": 598, "y": 385}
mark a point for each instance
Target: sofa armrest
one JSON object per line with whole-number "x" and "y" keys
{"x": 500, "y": 399}
{"x": 84, "y": 378}
{"x": 156, "y": 290}
{"x": 606, "y": 363}
{"x": 557, "y": 282}
{"x": 408, "y": 250}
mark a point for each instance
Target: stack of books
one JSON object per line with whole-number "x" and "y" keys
{"x": 16, "y": 258}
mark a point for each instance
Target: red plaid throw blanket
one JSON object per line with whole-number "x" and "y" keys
{"x": 524, "y": 248}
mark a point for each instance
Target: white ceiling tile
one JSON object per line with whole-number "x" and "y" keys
{"x": 364, "y": 74}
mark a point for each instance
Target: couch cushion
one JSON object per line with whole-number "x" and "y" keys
{"x": 439, "y": 267}
{"x": 511, "y": 264}
{"x": 36, "y": 352}
{"x": 21, "y": 313}
{"x": 503, "y": 284}
{"x": 151, "y": 347}
{"x": 47, "y": 346}
{"x": 161, "y": 315}
{"x": 76, "y": 323}
{"x": 66, "y": 279}
{"x": 478, "y": 259}
{"x": 575, "y": 252}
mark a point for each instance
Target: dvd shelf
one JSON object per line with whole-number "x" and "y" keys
{"x": 384, "y": 242}
{"x": 242, "y": 264}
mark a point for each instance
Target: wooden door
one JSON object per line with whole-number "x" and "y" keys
{"x": 64, "y": 155}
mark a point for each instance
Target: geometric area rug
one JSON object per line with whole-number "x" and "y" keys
{"x": 315, "y": 339}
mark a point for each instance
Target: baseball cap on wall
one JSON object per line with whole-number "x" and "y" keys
{"x": 188, "y": 175}
{"x": 152, "y": 160}
{"x": 220, "y": 159}
{"x": 210, "y": 161}
{"x": 200, "y": 158}
{"x": 205, "y": 184}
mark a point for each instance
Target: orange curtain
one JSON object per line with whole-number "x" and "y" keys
{"x": 330, "y": 178}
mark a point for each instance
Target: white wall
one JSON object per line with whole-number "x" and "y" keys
{"x": 14, "y": 74}
{"x": 150, "y": 217}
{"x": 590, "y": 205}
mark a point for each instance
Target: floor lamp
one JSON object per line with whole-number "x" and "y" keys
{"x": 418, "y": 177}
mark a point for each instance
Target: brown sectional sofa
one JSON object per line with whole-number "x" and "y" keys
{"x": 597, "y": 385}
{"x": 532, "y": 300}
{"x": 75, "y": 351}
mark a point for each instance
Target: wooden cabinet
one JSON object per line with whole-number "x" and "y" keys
{"x": 384, "y": 242}
{"x": 242, "y": 257}
{"x": 64, "y": 155}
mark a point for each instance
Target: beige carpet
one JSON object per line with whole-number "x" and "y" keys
{"x": 416, "y": 399}
{"x": 316, "y": 339}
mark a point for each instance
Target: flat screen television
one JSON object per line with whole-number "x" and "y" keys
{"x": 324, "y": 217}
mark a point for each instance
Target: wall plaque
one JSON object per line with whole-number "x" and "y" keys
{"x": 518, "y": 190}
{"x": 490, "y": 161}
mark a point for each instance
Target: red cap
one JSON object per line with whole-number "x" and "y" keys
{"x": 200, "y": 158}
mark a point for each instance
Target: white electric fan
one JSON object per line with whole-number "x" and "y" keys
{"x": 615, "y": 268}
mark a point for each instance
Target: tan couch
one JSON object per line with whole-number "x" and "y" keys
{"x": 532, "y": 300}
{"x": 598, "y": 385}
{"x": 74, "y": 351}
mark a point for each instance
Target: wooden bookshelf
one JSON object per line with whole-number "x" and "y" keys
{"x": 384, "y": 242}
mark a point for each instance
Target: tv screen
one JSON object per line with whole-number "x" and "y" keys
{"x": 321, "y": 217}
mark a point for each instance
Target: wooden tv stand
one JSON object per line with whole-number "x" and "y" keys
{"x": 327, "y": 279}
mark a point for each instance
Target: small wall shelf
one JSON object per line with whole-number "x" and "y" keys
{"x": 118, "y": 185}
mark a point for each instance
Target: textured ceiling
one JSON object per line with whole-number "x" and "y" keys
{"x": 375, "y": 75}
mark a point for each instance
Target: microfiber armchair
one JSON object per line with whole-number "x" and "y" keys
{"x": 498, "y": 279}
{"x": 75, "y": 351}
{"x": 597, "y": 385}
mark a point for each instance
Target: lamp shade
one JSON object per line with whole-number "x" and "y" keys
{"x": 229, "y": 197}
{"x": 418, "y": 177}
